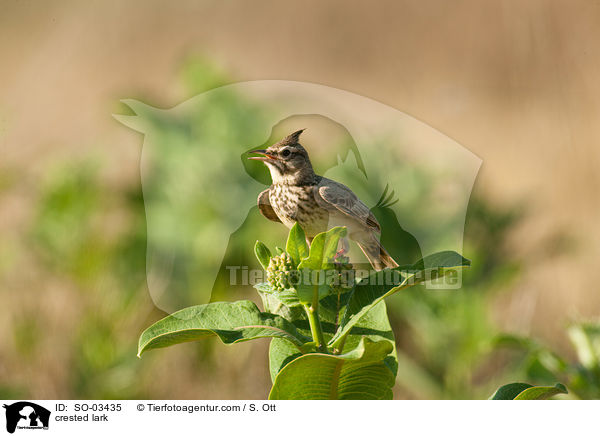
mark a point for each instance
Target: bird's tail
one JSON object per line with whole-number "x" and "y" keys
{"x": 377, "y": 255}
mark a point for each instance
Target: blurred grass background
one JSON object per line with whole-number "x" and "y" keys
{"x": 515, "y": 82}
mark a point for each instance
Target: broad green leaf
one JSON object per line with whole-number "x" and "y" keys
{"x": 322, "y": 249}
{"x": 442, "y": 259}
{"x": 281, "y": 352}
{"x": 296, "y": 245}
{"x": 541, "y": 392}
{"x": 263, "y": 254}
{"x": 525, "y": 391}
{"x": 375, "y": 325}
{"x": 231, "y": 322}
{"x": 274, "y": 305}
{"x": 358, "y": 374}
{"x": 288, "y": 297}
{"x": 371, "y": 290}
{"x": 510, "y": 391}
{"x": 313, "y": 277}
{"x": 315, "y": 284}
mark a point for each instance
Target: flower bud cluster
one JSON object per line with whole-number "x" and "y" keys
{"x": 279, "y": 271}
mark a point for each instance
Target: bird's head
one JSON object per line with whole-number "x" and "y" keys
{"x": 287, "y": 160}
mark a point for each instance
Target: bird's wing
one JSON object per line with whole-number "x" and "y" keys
{"x": 264, "y": 205}
{"x": 334, "y": 195}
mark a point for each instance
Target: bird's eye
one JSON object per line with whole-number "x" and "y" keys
{"x": 286, "y": 153}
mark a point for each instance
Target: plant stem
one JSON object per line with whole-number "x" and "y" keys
{"x": 315, "y": 327}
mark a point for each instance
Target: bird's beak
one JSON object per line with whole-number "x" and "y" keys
{"x": 265, "y": 156}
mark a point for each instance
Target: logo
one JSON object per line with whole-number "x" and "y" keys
{"x": 200, "y": 190}
{"x": 26, "y": 415}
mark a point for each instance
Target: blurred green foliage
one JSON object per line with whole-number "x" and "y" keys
{"x": 446, "y": 335}
{"x": 543, "y": 365}
{"x": 198, "y": 189}
{"x": 93, "y": 234}
{"x": 73, "y": 237}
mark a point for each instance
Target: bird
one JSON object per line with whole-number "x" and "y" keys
{"x": 316, "y": 203}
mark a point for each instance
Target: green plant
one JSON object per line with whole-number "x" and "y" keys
{"x": 331, "y": 337}
{"x": 525, "y": 391}
{"x": 542, "y": 365}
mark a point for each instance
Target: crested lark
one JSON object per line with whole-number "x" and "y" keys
{"x": 316, "y": 203}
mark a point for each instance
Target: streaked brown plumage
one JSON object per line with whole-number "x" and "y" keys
{"x": 316, "y": 203}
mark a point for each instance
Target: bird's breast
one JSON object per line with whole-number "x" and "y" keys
{"x": 297, "y": 204}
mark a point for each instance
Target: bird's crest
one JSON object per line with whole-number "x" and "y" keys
{"x": 292, "y": 138}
